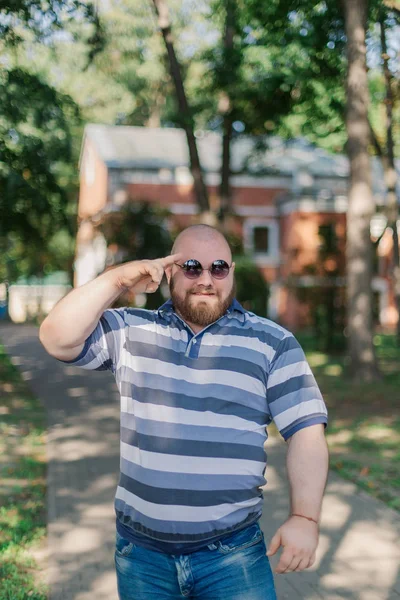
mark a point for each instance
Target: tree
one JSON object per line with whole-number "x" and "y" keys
{"x": 253, "y": 84}
{"x": 231, "y": 55}
{"x": 360, "y": 200}
{"x": 295, "y": 58}
{"x": 139, "y": 232}
{"x": 386, "y": 152}
{"x": 127, "y": 83}
{"x": 35, "y": 149}
{"x": 392, "y": 206}
{"x": 44, "y": 21}
{"x": 252, "y": 291}
{"x": 186, "y": 118}
{"x": 37, "y": 127}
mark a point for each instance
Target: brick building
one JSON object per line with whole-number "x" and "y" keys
{"x": 290, "y": 201}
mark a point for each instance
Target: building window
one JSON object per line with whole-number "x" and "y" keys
{"x": 261, "y": 239}
{"x": 328, "y": 238}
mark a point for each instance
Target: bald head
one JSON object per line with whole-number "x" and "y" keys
{"x": 200, "y": 234}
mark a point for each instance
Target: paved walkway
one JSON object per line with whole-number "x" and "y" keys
{"x": 359, "y": 553}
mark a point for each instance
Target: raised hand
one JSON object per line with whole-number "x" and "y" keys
{"x": 144, "y": 275}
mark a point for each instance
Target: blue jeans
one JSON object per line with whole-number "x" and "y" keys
{"x": 235, "y": 569}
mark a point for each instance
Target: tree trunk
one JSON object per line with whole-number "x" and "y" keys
{"x": 225, "y": 108}
{"x": 390, "y": 170}
{"x": 154, "y": 119}
{"x": 187, "y": 122}
{"x": 225, "y": 190}
{"x": 360, "y": 200}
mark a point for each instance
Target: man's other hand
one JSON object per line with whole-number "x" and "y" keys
{"x": 299, "y": 539}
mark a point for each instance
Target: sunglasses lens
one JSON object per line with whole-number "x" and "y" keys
{"x": 192, "y": 269}
{"x": 219, "y": 269}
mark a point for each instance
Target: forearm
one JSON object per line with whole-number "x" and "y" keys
{"x": 307, "y": 467}
{"x": 76, "y": 315}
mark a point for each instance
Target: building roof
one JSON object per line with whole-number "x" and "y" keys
{"x": 145, "y": 148}
{"x": 155, "y": 148}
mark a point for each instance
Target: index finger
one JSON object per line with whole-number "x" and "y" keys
{"x": 170, "y": 260}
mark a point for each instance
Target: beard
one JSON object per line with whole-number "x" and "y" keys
{"x": 197, "y": 312}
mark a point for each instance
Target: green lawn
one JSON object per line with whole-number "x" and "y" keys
{"x": 364, "y": 421}
{"x": 22, "y": 488}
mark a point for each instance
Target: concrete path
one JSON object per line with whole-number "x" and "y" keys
{"x": 359, "y": 552}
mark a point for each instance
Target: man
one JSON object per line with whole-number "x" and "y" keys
{"x": 200, "y": 379}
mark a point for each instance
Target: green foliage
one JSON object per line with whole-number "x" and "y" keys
{"x": 284, "y": 71}
{"x": 252, "y": 290}
{"x": 39, "y": 126}
{"x": 139, "y": 232}
{"x": 23, "y": 485}
{"x": 325, "y": 300}
{"x": 133, "y": 59}
{"x": 363, "y": 432}
{"x": 44, "y": 19}
{"x": 381, "y": 482}
{"x": 284, "y": 75}
{"x": 35, "y": 156}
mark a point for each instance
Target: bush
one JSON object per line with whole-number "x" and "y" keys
{"x": 139, "y": 232}
{"x": 252, "y": 289}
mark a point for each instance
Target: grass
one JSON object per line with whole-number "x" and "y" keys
{"x": 22, "y": 488}
{"x": 364, "y": 421}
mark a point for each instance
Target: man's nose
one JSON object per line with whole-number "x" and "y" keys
{"x": 205, "y": 278}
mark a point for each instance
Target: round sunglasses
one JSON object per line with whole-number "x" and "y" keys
{"x": 193, "y": 269}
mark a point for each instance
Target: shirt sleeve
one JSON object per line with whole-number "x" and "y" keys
{"x": 293, "y": 395}
{"x": 102, "y": 348}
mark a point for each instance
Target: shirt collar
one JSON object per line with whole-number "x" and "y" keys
{"x": 168, "y": 307}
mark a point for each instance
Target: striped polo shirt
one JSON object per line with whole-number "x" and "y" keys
{"x": 194, "y": 412}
